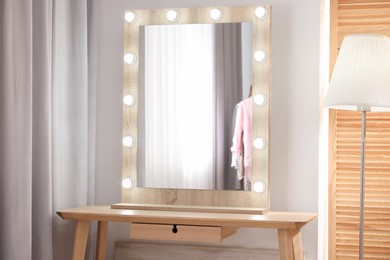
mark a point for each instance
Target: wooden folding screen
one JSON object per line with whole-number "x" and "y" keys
{"x": 354, "y": 17}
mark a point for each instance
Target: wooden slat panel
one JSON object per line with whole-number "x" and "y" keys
{"x": 357, "y": 17}
{"x": 372, "y": 13}
{"x": 363, "y": 2}
{"x": 362, "y": 17}
{"x": 364, "y": 6}
{"x": 347, "y": 186}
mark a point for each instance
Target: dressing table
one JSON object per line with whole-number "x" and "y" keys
{"x": 195, "y": 214}
{"x": 197, "y": 226}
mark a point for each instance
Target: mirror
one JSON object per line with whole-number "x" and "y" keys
{"x": 192, "y": 78}
{"x": 138, "y": 120}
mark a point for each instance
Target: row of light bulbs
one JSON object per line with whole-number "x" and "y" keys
{"x": 130, "y": 58}
{"x": 259, "y": 99}
{"x": 128, "y": 183}
{"x": 215, "y": 14}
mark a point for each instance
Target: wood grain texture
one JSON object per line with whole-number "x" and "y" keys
{"x": 162, "y": 207}
{"x": 297, "y": 244}
{"x": 206, "y": 234}
{"x": 285, "y": 244}
{"x": 80, "y": 241}
{"x": 197, "y": 226}
{"x": 102, "y": 240}
{"x": 261, "y": 29}
{"x": 290, "y": 244}
{"x": 272, "y": 219}
{"x": 377, "y": 185}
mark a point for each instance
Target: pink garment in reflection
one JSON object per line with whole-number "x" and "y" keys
{"x": 243, "y": 134}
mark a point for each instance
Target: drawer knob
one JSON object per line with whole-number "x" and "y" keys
{"x": 174, "y": 229}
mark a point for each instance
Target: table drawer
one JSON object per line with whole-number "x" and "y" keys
{"x": 180, "y": 232}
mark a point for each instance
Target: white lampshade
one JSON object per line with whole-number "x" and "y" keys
{"x": 361, "y": 76}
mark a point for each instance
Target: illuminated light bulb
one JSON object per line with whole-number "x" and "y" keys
{"x": 259, "y": 187}
{"x": 127, "y": 183}
{"x": 259, "y": 143}
{"x": 260, "y": 99}
{"x": 172, "y": 15}
{"x": 261, "y": 12}
{"x": 129, "y": 100}
{"x": 129, "y": 58}
{"x": 130, "y": 17}
{"x": 128, "y": 141}
{"x": 260, "y": 56}
{"x": 216, "y": 14}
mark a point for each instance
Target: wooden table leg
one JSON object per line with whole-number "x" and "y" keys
{"x": 290, "y": 244}
{"x": 297, "y": 244}
{"x": 101, "y": 240}
{"x": 80, "y": 240}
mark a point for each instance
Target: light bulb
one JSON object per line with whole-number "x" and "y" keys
{"x": 130, "y": 17}
{"x": 216, "y": 14}
{"x": 129, "y": 100}
{"x": 172, "y": 15}
{"x": 128, "y": 141}
{"x": 259, "y": 187}
{"x": 260, "y": 56}
{"x": 259, "y": 143}
{"x": 260, "y": 99}
{"x": 260, "y": 12}
{"x": 127, "y": 183}
{"x": 129, "y": 58}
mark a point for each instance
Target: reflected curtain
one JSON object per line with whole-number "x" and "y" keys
{"x": 47, "y": 119}
{"x": 191, "y": 80}
{"x": 229, "y": 92}
{"x": 179, "y": 87}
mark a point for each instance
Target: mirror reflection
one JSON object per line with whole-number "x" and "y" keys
{"x": 195, "y": 106}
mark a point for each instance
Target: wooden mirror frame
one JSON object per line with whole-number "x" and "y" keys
{"x": 199, "y": 200}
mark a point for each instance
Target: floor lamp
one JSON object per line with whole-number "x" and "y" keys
{"x": 361, "y": 82}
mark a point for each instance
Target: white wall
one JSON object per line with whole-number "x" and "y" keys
{"x": 295, "y": 112}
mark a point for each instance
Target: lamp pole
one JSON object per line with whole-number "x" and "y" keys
{"x": 362, "y": 162}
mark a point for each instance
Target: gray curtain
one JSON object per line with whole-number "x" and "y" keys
{"x": 47, "y": 123}
{"x": 228, "y": 89}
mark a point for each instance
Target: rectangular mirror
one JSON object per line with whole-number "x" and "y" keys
{"x": 192, "y": 78}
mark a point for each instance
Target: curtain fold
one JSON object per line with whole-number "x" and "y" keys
{"x": 15, "y": 130}
{"x": 47, "y": 103}
{"x": 41, "y": 167}
{"x": 178, "y": 123}
{"x": 229, "y": 92}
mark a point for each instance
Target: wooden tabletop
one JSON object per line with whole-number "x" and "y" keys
{"x": 272, "y": 219}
